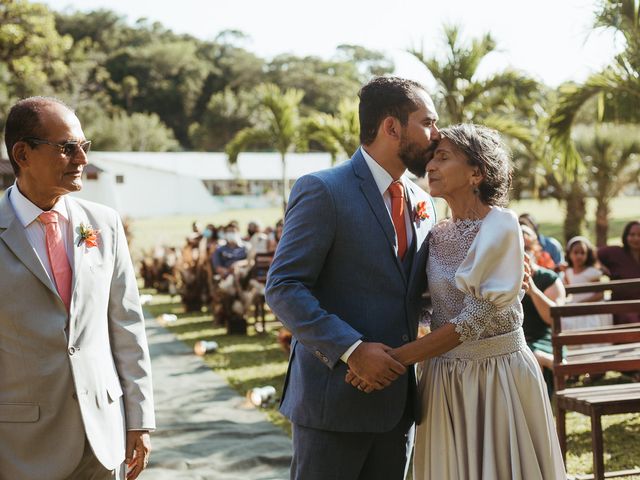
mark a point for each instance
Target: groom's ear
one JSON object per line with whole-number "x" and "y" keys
{"x": 390, "y": 127}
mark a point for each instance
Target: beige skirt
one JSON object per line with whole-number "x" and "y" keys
{"x": 486, "y": 415}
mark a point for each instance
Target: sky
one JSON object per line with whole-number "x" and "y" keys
{"x": 551, "y": 40}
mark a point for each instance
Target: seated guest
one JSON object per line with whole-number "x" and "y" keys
{"x": 582, "y": 268}
{"x": 275, "y": 236}
{"x": 253, "y": 227}
{"x": 231, "y": 253}
{"x": 549, "y": 244}
{"x": 624, "y": 263}
{"x": 545, "y": 291}
{"x": 210, "y": 234}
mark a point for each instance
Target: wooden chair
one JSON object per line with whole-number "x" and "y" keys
{"x": 262, "y": 262}
{"x": 623, "y": 354}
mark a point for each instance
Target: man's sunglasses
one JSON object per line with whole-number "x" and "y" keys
{"x": 67, "y": 148}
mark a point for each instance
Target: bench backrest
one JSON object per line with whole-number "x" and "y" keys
{"x": 632, "y": 285}
{"x": 261, "y": 266}
{"x": 594, "y": 360}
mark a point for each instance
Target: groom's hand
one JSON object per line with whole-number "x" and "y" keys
{"x": 371, "y": 363}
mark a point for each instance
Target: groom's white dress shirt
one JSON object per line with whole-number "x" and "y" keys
{"x": 28, "y": 214}
{"x": 383, "y": 181}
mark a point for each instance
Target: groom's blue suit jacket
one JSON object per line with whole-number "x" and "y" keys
{"x": 335, "y": 279}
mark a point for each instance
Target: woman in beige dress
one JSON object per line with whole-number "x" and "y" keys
{"x": 486, "y": 414}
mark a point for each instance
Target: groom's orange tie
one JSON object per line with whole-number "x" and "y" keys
{"x": 57, "y": 255}
{"x": 396, "y": 190}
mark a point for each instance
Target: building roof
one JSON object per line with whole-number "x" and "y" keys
{"x": 214, "y": 166}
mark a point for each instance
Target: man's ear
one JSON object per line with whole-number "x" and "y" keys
{"x": 390, "y": 127}
{"x": 19, "y": 152}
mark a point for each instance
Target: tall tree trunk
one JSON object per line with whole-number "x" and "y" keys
{"x": 284, "y": 182}
{"x": 576, "y": 209}
{"x": 602, "y": 222}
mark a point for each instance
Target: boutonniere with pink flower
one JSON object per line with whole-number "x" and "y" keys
{"x": 421, "y": 211}
{"x": 88, "y": 235}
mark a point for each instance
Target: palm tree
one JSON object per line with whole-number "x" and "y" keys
{"x": 617, "y": 87}
{"x": 611, "y": 154}
{"x": 339, "y": 134}
{"x": 277, "y": 124}
{"x": 464, "y": 97}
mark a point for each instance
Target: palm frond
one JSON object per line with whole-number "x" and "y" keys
{"x": 244, "y": 139}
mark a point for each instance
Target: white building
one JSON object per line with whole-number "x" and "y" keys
{"x": 148, "y": 184}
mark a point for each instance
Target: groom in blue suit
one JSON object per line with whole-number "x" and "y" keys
{"x": 347, "y": 280}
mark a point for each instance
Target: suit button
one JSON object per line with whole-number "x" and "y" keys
{"x": 405, "y": 338}
{"x": 74, "y": 396}
{"x": 72, "y": 350}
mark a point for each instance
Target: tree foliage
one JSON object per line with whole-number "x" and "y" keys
{"x": 32, "y": 52}
{"x": 617, "y": 87}
{"x": 276, "y": 122}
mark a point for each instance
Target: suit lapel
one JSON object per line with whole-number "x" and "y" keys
{"x": 372, "y": 194}
{"x": 421, "y": 228}
{"x": 76, "y": 216}
{"x": 16, "y": 239}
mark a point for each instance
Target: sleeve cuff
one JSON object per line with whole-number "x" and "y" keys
{"x": 345, "y": 356}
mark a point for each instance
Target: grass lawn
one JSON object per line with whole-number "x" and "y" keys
{"x": 257, "y": 360}
{"x": 172, "y": 230}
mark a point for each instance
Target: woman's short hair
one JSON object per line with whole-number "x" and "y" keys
{"x": 484, "y": 149}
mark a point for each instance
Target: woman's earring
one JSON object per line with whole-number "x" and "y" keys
{"x": 476, "y": 190}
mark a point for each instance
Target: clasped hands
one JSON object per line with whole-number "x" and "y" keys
{"x": 372, "y": 367}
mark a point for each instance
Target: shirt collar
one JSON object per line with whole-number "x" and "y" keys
{"x": 380, "y": 175}
{"x": 27, "y": 212}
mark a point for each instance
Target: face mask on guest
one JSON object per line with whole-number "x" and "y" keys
{"x": 233, "y": 237}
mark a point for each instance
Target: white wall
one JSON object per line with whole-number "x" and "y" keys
{"x": 148, "y": 192}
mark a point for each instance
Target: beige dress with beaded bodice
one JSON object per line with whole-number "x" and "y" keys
{"x": 486, "y": 414}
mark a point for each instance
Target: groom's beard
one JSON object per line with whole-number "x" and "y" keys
{"x": 414, "y": 157}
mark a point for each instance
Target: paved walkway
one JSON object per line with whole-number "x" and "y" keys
{"x": 206, "y": 431}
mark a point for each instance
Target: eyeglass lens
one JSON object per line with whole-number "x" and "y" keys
{"x": 69, "y": 148}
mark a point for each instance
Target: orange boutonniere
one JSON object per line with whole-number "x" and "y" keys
{"x": 421, "y": 212}
{"x": 88, "y": 235}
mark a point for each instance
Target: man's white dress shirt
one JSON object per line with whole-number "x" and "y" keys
{"x": 383, "y": 181}
{"x": 28, "y": 214}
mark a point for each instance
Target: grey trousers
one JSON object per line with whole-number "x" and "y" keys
{"x": 90, "y": 468}
{"x": 325, "y": 455}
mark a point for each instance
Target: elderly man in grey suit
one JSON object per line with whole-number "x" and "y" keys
{"x": 347, "y": 280}
{"x": 75, "y": 379}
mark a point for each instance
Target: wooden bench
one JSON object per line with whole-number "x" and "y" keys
{"x": 622, "y": 355}
{"x": 632, "y": 285}
{"x": 610, "y": 351}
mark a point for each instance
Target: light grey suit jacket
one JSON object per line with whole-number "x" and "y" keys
{"x": 56, "y": 387}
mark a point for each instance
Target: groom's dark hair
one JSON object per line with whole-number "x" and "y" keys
{"x": 383, "y": 97}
